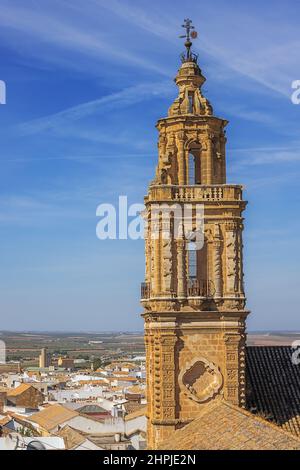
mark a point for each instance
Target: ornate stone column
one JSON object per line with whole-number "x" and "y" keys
{"x": 148, "y": 340}
{"x": 156, "y": 378}
{"x": 167, "y": 256}
{"x": 168, "y": 343}
{"x": 164, "y": 385}
{"x": 235, "y": 367}
{"x": 240, "y": 259}
{"x": 155, "y": 255}
{"x": 181, "y": 268}
{"x": 147, "y": 235}
{"x": 209, "y": 159}
{"x": 232, "y": 277}
{"x": 223, "y": 156}
{"x": 217, "y": 261}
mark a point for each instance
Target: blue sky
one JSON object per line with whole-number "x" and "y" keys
{"x": 86, "y": 81}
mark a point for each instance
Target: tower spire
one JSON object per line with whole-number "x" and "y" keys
{"x": 190, "y": 33}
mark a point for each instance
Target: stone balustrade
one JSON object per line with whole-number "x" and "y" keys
{"x": 195, "y": 193}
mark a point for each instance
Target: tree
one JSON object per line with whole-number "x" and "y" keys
{"x": 97, "y": 363}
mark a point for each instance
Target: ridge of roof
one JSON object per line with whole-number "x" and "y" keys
{"x": 19, "y": 389}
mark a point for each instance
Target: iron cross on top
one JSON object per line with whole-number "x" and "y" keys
{"x": 188, "y": 26}
{"x": 189, "y": 34}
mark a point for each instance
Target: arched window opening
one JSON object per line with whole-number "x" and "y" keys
{"x": 191, "y": 104}
{"x": 192, "y": 260}
{"x": 192, "y": 169}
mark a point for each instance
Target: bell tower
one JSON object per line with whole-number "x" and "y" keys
{"x": 193, "y": 294}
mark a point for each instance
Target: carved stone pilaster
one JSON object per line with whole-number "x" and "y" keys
{"x": 167, "y": 270}
{"x": 209, "y": 159}
{"x": 155, "y": 254}
{"x": 147, "y": 236}
{"x": 181, "y": 264}
{"x": 240, "y": 258}
{"x": 218, "y": 261}
{"x": 235, "y": 368}
{"x": 181, "y": 158}
{"x": 168, "y": 344}
{"x": 148, "y": 339}
{"x": 156, "y": 378}
{"x": 223, "y": 157}
{"x": 164, "y": 404}
{"x": 232, "y": 368}
{"x": 162, "y": 146}
{"x": 232, "y": 277}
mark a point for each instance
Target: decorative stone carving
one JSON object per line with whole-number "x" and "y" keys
{"x": 240, "y": 258}
{"x": 190, "y": 99}
{"x": 218, "y": 261}
{"x": 232, "y": 259}
{"x": 181, "y": 268}
{"x": 167, "y": 264}
{"x": 164, "y": 176}
{"x": 201, "y": 380}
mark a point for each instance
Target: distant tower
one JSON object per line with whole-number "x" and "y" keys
{"x": 44, "y": 358}
{"x": 193, "y": 299}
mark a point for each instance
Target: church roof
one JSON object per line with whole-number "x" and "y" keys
{"x": 273, "y": 385}
{"x": 222, "y": 426}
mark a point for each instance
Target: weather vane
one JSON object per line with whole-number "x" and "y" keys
{"x": 190, "y": 33}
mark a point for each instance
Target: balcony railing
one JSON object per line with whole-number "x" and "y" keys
{"x": 200, "y": 288}
{"x": 195, "y": 288}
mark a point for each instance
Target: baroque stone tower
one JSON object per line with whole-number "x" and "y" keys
{"x": 193, "y": 294}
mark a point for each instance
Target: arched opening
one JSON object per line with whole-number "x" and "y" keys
{"x": 192, "y": 179}
{"x": 197, "y": 270}
{"x": 192, "y": 260}
{"x": 194, "y": 165}
{"x": 191, "y": 101}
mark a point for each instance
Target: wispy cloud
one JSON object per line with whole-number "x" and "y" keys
{"x": 268, "y": 58}
{"x": 68, "y": 32}
{"x": 80, "y": 158}
{"x": 266, "y": 155}
{"x": 254, "y": 115}
{"x": 36, "y": 211}
{"x": 159, "y": 23}
{"x": 109, "y": 103}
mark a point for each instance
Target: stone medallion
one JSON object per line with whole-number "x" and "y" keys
{"x": 201, "y": 380}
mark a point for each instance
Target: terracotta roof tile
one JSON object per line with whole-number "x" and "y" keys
{"x": 19, "y": 390}
{"x": 52, "y": 416}
{"x": 135, "y": 414}
{"x": 273, "y": 385}
{"x": 222, "y": 426}
{"x": 71, "y": 437}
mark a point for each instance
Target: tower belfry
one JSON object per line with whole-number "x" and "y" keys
{"x": 193, "y": 294}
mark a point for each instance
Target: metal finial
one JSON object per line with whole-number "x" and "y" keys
{"x": 188, "y": 44}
